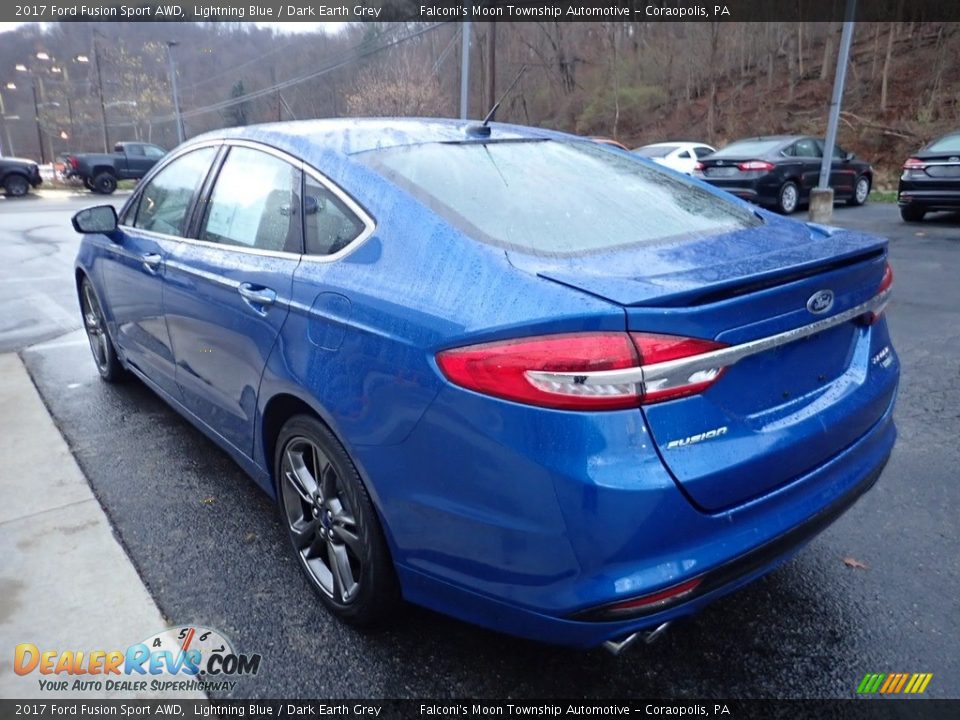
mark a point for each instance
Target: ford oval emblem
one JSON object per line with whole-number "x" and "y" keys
{"x": 820, "y": 302}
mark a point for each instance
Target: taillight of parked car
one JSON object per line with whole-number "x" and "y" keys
{"x": 580, "y": 371}
{"x": 698, "y": 169}
{"x": 756, "y": 166}
{"x": 886, "y": 282}
{"x": 74, "y": 163}
{"x": 914, "y": 167}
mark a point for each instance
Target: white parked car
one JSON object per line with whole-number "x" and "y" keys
{"x": 679, "y": 156}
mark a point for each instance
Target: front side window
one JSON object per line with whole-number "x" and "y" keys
{"x": 165, "y": 200}
{"x": 555, "y": 198}
{"x": 255, "y": 203}
{"x": 329, "y": 224}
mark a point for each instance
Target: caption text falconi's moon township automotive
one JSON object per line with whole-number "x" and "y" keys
{"x": 565, "y": 10}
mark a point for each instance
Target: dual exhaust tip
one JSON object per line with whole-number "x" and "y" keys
{"x": 617, "y": 647}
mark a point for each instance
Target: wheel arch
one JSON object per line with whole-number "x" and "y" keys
{"x": 276, "y": 412}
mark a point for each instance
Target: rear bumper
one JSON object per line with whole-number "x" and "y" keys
{"x": 930, "y": 195}
{"x": 526, "y": 548}
{"x": 762, "y": 190}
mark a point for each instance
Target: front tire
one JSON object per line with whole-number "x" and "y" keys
{"x": 16, "y": 185}
{"x": 788, "y": 198}
{"x": 104, "y": 353}
{"x": 88, "y": 183}
{"x": 332, "y": 524}
{"x": 104, "y": 183}
{"x": 912, "y": 213}
{"x": 861, "y": 191}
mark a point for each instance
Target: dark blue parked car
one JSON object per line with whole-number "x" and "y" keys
{"x": 521, "y": 378}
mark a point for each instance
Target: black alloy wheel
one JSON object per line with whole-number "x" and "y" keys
{"x": 332, "y": 524}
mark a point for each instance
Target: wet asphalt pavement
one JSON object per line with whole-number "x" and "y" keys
{"x": 210, "y": 547}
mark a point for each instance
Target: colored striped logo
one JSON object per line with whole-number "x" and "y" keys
{"x": 894, "y": 683}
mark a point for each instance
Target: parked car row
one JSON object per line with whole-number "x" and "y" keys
{"x": 779, "y": 171}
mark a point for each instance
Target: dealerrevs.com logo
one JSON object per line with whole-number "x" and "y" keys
{"x": 179, "y": 659}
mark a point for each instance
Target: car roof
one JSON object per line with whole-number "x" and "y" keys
{"x": 349, "y": 136}
{"x": 678, "y": 143}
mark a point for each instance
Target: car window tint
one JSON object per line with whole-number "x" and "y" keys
{"x": 575, "y": 197}
{"x": 947, "y": 144}
{"x": 702, "y": 151}
{"x": 329, "y": 224}
{"x": 152, "y": 151}
{"x": 747, "y": 149}
{"x": 806, "y": 148}
{"x": 165, "y": 200}
{"x": 685, "y": 155}
{"x": 255, "y": 203}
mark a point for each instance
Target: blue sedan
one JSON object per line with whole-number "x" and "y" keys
{"x": 530, "y": 381}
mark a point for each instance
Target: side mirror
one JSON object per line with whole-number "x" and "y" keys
{"x": 99, "y": 219}
{"x": 849, "y": 156}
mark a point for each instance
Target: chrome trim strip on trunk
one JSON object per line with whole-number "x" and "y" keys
{"x": 680, "y": 370}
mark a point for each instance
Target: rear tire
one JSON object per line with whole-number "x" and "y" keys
{"x": 912, "y": 213}
{"x": 104, "y": 183}
{"x": 333, "y": 525}
{"x": 861, "y": 191}
{"x": 788, "y": 198}
{"x": 16, "y": 185}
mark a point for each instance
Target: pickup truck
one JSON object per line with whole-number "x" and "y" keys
{"x": 17, "y": 175}
{"x": 100, "y": 173}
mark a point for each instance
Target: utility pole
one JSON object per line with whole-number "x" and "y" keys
{"x": 465, "y": 71}
{"x": 8, "y": 149}
{"x": 173, "y": 84}
{"x": 103, "y": 107}
{"x": 821, "y": 197}
{"x": 491, "y": 69}
{"x": 36, "y": 115}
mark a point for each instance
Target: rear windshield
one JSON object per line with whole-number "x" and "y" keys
{"x": 748, "y": 148}
{"x": 950, "y": 143}
{"x": 554, "y": 198}
{"x": 656, "y": 150}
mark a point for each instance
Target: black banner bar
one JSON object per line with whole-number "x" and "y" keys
{"x": 482, "y": 10}
{"x": 859, "y": 709}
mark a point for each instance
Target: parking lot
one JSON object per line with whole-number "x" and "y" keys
{"x": 210, "y": 547}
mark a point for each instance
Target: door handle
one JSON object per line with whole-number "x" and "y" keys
{"x": 152, "y": 262}
{"x": 257, "y": 295}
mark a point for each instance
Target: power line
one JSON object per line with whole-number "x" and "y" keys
{"x": 354, "y": 57}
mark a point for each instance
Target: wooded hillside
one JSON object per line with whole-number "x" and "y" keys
{"x": 637, "y": 82}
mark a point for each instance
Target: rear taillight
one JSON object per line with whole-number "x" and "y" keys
{"x": 698, "y": 167}
{"x": 886, "y": 282}
{"x": 914, "y": 164}
{"x": 582, "y": 371}
{"x": 74, "y": 163}
{"x": 643, "y": 605}
{"x": 756, "y": 166}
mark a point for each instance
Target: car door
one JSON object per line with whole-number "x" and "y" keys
{"x": 135, "y": 164}
{"x": 134, "y": 272}
{"x": 807, "y": 152}
{"x": 843, "y": 175}
{"x": 228, "y": 289}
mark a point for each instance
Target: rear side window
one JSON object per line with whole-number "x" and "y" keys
{"x": 255, "y": 203}
{"x": 328, "y": 223}
{"x": 807, "y": 148}
{"x": 554, "y": 198}
{"x": 747, "y": 149}
{"x": 136, "y": 150}
{"x": 702, "y": 151}
{"x": 166, "y": 199}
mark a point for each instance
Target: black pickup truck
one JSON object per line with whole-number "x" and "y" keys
{"x": 100, "y": 173}
{"x": 17, "y": 175}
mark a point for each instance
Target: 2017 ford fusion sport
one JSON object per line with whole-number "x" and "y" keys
{"x": 505, "y": 373}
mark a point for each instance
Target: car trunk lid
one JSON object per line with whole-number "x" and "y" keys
{"x": 774, "y": 414}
